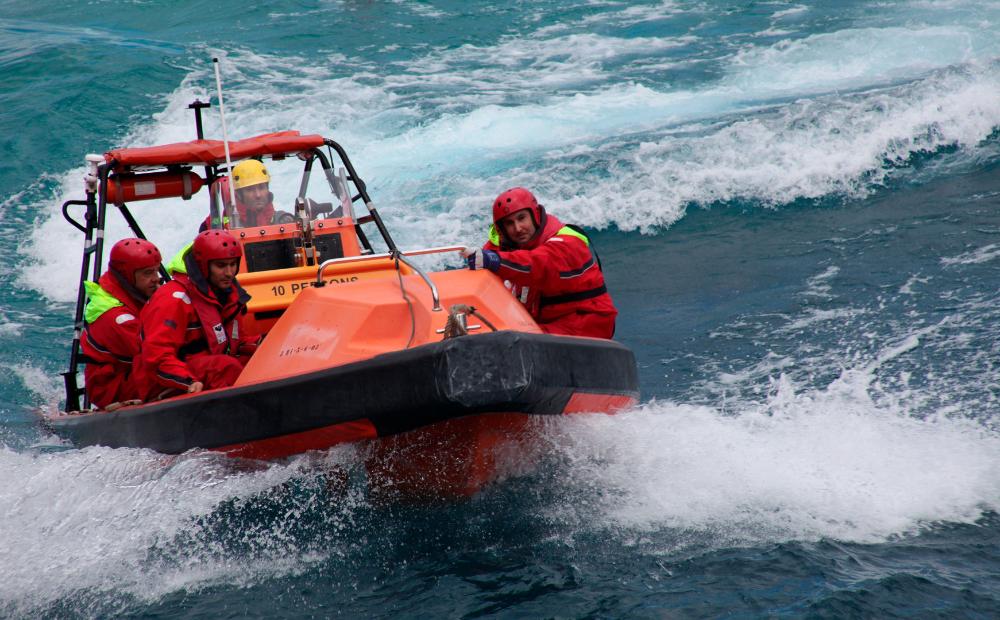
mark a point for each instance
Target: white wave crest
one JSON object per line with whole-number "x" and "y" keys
{"x": 621, "y": 153}
{"x": 130, "y": 522}
{"x": 804, "y": 465}
{"x": 980, "y": 255}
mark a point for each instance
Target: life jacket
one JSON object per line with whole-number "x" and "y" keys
{"x": 260, "y": 217}
{"x": 220, "y": 329}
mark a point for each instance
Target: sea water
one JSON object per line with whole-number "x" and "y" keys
{"x": 796, "y": 206}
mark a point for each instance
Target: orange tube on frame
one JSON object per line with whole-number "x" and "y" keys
{"x": 132, "y": 187}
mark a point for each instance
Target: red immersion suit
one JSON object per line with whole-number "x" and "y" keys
{"x": 556, "y": 276}
{"x": 189, "y": 335}
{"x": 248, "y": 218}
{"x": 110, "y": 341}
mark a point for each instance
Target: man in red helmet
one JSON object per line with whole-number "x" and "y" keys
{"x": 110, "y": 339}
{"x": 193, "y": 337}
{"x": 550, "y": 267}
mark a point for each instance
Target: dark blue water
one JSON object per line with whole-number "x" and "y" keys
{"x": 796, "y": 205}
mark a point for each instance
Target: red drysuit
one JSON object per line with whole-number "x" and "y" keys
{"x": 556, "y": 276}
{"x": 188, "y": 335}
{"x": 110, "y": 341}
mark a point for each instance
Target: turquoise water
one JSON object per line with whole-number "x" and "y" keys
{"x": 796, "y": 207}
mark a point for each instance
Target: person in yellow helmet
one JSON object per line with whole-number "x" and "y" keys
{"x": 254, "y": 200}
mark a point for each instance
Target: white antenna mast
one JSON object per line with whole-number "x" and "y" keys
{"x": 225, "y": 135}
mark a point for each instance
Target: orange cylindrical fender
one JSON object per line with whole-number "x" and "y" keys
{"x": 131, "y": 187}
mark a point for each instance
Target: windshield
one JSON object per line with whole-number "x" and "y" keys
{"x": 279, "y": 192}
{"x": 290, "y": 211}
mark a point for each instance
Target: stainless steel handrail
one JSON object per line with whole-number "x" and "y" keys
{"x": 400, "y": 255}
{"x": 434, "y": 289}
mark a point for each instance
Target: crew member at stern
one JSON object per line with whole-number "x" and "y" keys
{"x": 193, "y": 337}
{"x": 549, "y": 266}
{"x": 110, "y": 339}
{"x": 254, "y": 199}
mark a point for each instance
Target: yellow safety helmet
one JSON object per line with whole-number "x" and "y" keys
{"x": 249, "y": 172}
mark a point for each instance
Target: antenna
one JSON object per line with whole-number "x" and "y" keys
{"x": 225, "y": 135}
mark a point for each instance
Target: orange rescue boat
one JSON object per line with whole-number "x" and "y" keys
{"x": 441, "y": 369}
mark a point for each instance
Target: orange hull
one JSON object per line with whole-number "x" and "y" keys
{"x": 364, "y": 317}
{"x": 440, "y": 417}
{"x": 457, "y": 458}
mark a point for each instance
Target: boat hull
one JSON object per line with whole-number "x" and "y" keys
{"x": 505, "y": 372}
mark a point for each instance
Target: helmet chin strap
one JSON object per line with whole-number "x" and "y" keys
{"x": 129, "y": 286}
{"x": 539, "y": 226}
{"x": 543, "y": 216}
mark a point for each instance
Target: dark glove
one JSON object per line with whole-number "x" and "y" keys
{"x": 482, "y": 259}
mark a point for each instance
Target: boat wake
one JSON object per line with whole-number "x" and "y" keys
{"x": 800, "y": 466}
{"x": 671, "y": 479}
{"x": 138, "y": 526}
{"x": 831, "y": 130}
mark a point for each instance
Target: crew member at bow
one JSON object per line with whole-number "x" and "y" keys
{"x": 193, "y": 337}
{"x": 549, "y": 266}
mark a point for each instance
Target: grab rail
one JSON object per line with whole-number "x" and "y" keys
{"x": 400, "y": 255}
{"x": 436, "y": 307}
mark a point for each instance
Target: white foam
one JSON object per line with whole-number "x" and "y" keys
{"x": 37, "y": 380}
{"x": 819, "y": 285}
{"x": 774, "y": 32}
{"x": 10, "y": 328}
{"x": 856, "y": 58}
{"x": 817, "y": 315}
{"x": 980, "y": 255}
{"x": 611, "y": 152}
{"x": 907, "y": 288}
{"x": 136, "y": 523}
{"x": 494, "y": 131}
{"x": 756, "y": 74}
{"x": 631, "y": 15}
{"x": 505, "y": 72}
{"x": 803, "y": 465}
{"x": 421, "y": 9}
{"x": 806, "y": 150}
{"x": 798, "y": 9}
{"x": 770, "y": 364}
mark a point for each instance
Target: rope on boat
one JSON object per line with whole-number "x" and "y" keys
{"x": 456, "y": 325}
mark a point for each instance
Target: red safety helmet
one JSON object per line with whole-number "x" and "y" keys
{"x": 131, "y": 255}
{"x": 212, "y": 245}
{"x": 512, "y": 201}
